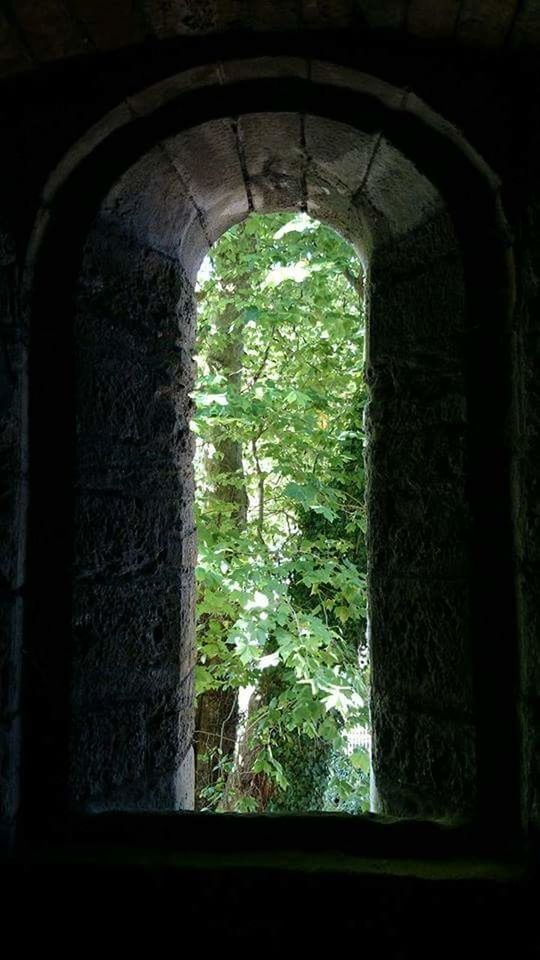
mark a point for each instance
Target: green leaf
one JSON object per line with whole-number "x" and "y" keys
{"x": 360, "y": 760}
{"x": 324, "y": 511}
{"x": 251, "y": 314}
{"x": 203, "y": 680}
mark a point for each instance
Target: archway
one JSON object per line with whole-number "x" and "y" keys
{"x": 136, "y": 206}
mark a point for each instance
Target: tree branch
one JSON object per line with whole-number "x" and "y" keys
{"x": 356, "y": 282}
{"x": 260, "y": 487}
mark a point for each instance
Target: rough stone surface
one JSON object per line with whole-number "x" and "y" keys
{"x": 129, "y": 554}
{"x": 274, "y": 160}
{"x": 133, "y": 536}
{"x": 393, "y": 187}
{"x": 217, "y": 188}
{"x": 34, "y": 35}
{"x": 129, "y": 753}
{"x": 153, "y": 202}
{"x": 527, "y": 497}
{"x": 337, "y": 159}
{"x": 420, "y": 651}
{"x": 12, "y": 510}
{"x": 419, "y": 533}
{"x": 134, "y": 550}
{"x": 434, "y": 777}
{"x": 134, "y": 869}
{"x": 418, "y": 511}
{"x": 442, "y": 629}
{"x": 185, "y": 193}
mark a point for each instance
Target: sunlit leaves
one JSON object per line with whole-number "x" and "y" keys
{"x": 288, "y": 591}
{"x": 360, "y": 760}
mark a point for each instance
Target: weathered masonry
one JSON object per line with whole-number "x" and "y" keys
{"x": 133, "y": 253}
{"x": 131, "y": 145}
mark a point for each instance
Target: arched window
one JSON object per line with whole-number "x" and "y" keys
{"x": 130, "y": 215}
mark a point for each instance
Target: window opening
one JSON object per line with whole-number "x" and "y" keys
{"x": 282, "y": 677}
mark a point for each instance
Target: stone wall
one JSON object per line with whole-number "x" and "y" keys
{"x": 36, "y": 35}
{"x": 168, "y": 191}
{"x": 134, "y": 551}
{"x": 419, "y": 528}
{"x": 12, "y": 511}
{"x": 526, "y": 460}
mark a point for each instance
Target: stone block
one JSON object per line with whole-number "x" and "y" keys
{"x": 339, "y": 154}
{"x": 114, "y": 265}
{"x": 408, "y": 397}
{"x": 108, "y": 757}
{"x": 335, "y": 75}
{"x": 526, "y": 30}
{"x": 417, "y": 530}
{"x": 192, "y": 249}
{"x": 11, "y": 610}
{"x": 122, "y": 536}
{"x": 170, "y": 728}
{"x": 339, "y": 14}
{"x": 420, "y": 643}
{"x": 414, "y": 253}
{"x": 135, "y": 469}
{"x": 424, "y": 764}
{"x": 151, "y": 203}
{"x": 132, "y": 639}
{"x": 116, "y": 25}
{"x": 170, "y": 18}
{"x": 332, "y": 209}
{"x": 8, "y": 519}
{"x": 385, "y": 15}
{"x": 146, "y": 101}
{"x": 275, "y": 160}
{"x": 432, "y": 22}
{"x": 239, "y": 71}
{"x": 185, "y": 782}
{"x": 398, "y": 190}
{"x": 127, "y": 755}
{"x": 14, "y": 55}
{"x": 529, "y": 623}
{"x": 421, "y": 458}
{"x": 337, "y": 162}
{"x": 83, "y": 148}
{"x": 530, "y": 757}
{"x": 10, "y": 737}
{"x": 421, "y": 316}
{"x": 128, "y": 400}
{"x": 275, "y": 15}
{"x": 50, "y": 30}
{"x": 207, "y": 160}
{"x": 485, "y": 22}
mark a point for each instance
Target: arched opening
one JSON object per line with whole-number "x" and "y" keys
{"x": 128, "y": 220}
{"x": 282, "y": 680}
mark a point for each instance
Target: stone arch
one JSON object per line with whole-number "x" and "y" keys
{"x": 424, "y": 211}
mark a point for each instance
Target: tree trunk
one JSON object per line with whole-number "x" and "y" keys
{"x": 217, "y": 710}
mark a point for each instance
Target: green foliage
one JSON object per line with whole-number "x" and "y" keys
{"x": 284, "y": 592}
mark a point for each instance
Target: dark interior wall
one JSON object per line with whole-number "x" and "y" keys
{"x": 469, "y": 114}
{"x": 526, "y": 435}
{"x": 13, "y": 472}
{"x": 163, "y": 210}
{"x": 134, "y": 550}
{"x": 358, "y": 182}
{"x": 424, "y": 729}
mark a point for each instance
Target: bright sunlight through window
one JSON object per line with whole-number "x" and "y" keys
{"x": 283, "y": 673}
